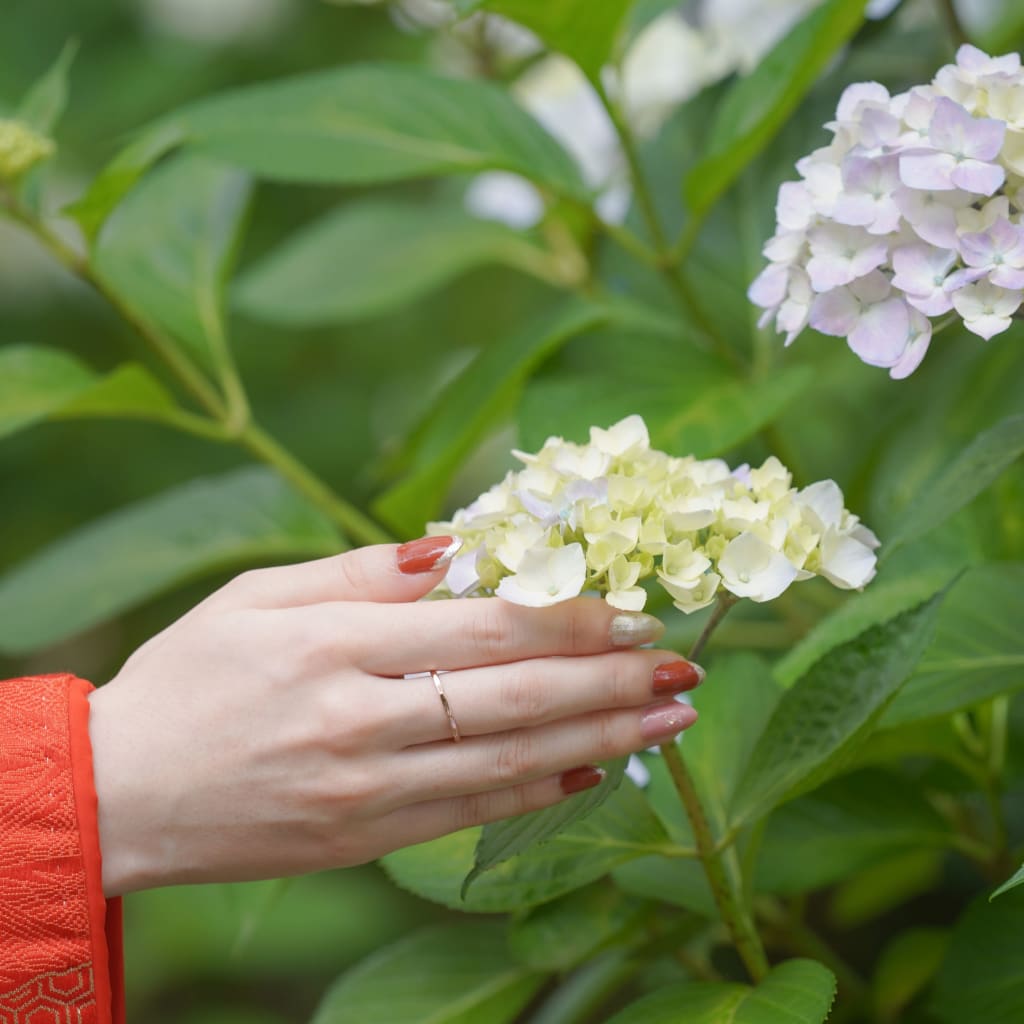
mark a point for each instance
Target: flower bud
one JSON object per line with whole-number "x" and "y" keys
{"x": 21, "y": 148}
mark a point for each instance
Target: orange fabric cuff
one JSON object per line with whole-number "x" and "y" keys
{"x": 61, "y": 953}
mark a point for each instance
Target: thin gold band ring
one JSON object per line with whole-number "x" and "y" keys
{"x": 452, "y": 724}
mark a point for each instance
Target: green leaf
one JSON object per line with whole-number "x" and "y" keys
{"x": 757, "y": 106}
{"x": 889, "y": 595}
{"x": 585, "y": 31}
{"x": 820, "y": 719}
{"x": 978, "y": 650}
{"x": 974, "y": 469}
{"x": 92, "y": 209}
{"x": 502, "y": 840}
{"x": 470, "y": 406}
{"x": 44, "y": 104}
{"x": 795, "y": 992}
{"x": 370, "y": 123}
{"x": 448, "y": 974}
{"x": 39, "y": 383}
{"x": 981, "y": 979}
{"x": 879, "y": 889}
{"x": 693, "y": 404}
{"x": 735, "y": 706}
{"x": 371, "y": 256}
{"x": 563, "y": 933}
{"x": 851, "y": 823}
{"x": 907, "y": 964}
{"x": 1011, "y": 883}
{"x": 167, "y": 250}
{"x": 147, "y": 548}
{"x": 623, "y": 828}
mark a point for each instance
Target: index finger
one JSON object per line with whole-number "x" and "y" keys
{"x": 449, "y": 634}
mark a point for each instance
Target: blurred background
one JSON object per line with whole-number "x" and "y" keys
{"x": 265, "y": 952}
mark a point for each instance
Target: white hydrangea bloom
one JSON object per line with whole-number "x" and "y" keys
{"x": 606, "y": 515}
{"x": 915, "y": 210}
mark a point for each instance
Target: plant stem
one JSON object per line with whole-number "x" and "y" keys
{"x": 735, "y": 916}
{"x": 954, "y": 25}
{"x": 230, "y": 420}
{"x": 667, "y": 262}
{"x": 177, "y": 362}
{"x": 266, "y": 448}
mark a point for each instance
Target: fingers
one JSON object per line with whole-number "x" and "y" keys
{"x": 471, "y": 633}
{"x": 420, "y": 822}
{"x": 501, "y": 760}
{"x": 523, "y": 694}
{"x": 383, "y": 572}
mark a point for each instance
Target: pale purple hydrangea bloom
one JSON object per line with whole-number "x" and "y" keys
{"x": 914, "y": 210}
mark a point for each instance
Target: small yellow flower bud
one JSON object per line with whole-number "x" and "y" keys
{"x": 21, "y": 148}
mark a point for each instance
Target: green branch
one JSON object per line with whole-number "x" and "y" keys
{"x": 667, "y": 263}
{"x": 229, "y": 418}
{"x": 735, "y": 915}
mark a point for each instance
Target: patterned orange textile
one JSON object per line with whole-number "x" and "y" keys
{"x": 60, "y": 940}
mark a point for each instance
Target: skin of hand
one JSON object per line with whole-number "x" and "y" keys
{"x": 272, "y": 730}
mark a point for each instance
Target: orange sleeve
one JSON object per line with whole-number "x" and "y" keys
{"x": 60, "y": 940}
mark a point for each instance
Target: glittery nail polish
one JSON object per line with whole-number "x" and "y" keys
{"x": 663, "y": 721}
{"x": 630, "y": 629}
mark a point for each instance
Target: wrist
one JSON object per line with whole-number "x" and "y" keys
{"x": 129, "y": 844}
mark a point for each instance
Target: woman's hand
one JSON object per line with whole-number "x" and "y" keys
{"x": 271, "y": 731}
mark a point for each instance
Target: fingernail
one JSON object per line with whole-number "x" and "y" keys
{"x": 575, "y": 780}
{"x": 677, "y": 677}
{"x": 632, "y": 628}
{"x": 663, "y": 721}
{"x": 427, "y": 554}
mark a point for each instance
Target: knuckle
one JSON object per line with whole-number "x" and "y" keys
{"x": 353, "y": 572}
{"x": 573, "y": 631}
{"x": 488, "y": 632}
{"x": 516, "y": 757}
{"x": 628, "y": 680}
{"x": 470, "y": 810}
{"x": 524, "y": 697}
{"x": 608, "y": 739}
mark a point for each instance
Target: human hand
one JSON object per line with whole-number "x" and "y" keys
{"x": 270, "y": 730}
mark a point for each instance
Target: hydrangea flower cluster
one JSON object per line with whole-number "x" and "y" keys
{"x": 915, "y": 210}
{"x": 605, "y": 515}
{"x": 20, "y": 148}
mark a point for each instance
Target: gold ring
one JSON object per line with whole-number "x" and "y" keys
{"x": 452, "y": 724}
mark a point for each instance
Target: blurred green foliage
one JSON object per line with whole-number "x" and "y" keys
{"x": 401, "y": 382}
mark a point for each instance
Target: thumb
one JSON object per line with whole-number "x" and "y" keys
{"x": 382, "y": 572}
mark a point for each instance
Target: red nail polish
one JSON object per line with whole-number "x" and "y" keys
{"x": 427, "y": 554}
{"x": 575, "y": 780}
{"x": 663, "y": 721}
{"x": 677, "y": 677}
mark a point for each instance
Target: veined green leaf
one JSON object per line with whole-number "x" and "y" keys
{"x": 448, "y": 974}
{"x": 1011, "y": 883}
{"x": 371, "y": 123}
{"x": 851, "y": 823}
{"x": 820, "y": 719}
{"x": 44, "y": 104}
{"x": 205, "y": 526}
{"x": 473, "y": 402}
{"x": 978, "y": 651}
{"x": 502, "y": 840}
{"x": 168, "y": 248}
{"x": 622, "y": 828}
{"x": 977, "y": 466}
{"x": 585, "y": 31}
{"x": 116, "y": 180}
{"x": 557, "y": 936}
{"x": 375, "y": 255}
{"x": 795, "y": 992}
{"x": 39, "y": 383}
{"x": 981, "y": 979}
{"x": 693, "y": 404}
{"x": 757, "y": 106}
